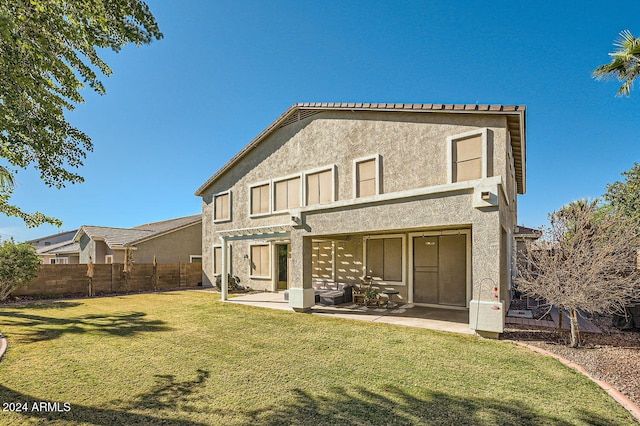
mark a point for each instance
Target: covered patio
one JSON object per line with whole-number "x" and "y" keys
{"x": 433, "y": 318}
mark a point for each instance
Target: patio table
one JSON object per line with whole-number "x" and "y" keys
{"x": 390, "y": 294}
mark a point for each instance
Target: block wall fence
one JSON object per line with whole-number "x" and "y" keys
{"x": 59, "y": 280}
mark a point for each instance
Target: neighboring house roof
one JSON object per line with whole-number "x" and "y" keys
{"x": 123, "y": 237}
{"x": 524, "y": 232}
{"x": 516, "y": 121}
{"x": 70, "y": 234}
{"x": 64, "y": 247}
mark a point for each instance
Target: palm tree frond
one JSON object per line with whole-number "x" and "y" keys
{"x": 624, "y": 65}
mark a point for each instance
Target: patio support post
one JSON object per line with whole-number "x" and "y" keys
{"x": 224, "y": 280}
{"x": 301, "y": 293}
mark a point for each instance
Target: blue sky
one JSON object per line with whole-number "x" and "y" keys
{"x": 178, "y": 109}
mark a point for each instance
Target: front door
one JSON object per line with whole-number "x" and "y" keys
{"x": 283, "y": 266}
{"x": 440, "y": 270}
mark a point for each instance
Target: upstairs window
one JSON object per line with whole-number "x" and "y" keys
{"x": 468, "y": 156}
{"x": 319, "y": 187}
{"x": 260, "y": 199}
{"x": 287, "y": 194}
{"x": 367, "y": 179}
{"x": 222, "y": 207}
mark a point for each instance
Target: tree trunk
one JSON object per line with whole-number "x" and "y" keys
{"x": 575, "y": 329}
{"x": 560, "y": 318}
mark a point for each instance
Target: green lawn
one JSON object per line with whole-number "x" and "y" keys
{"x": 185, "y": 358}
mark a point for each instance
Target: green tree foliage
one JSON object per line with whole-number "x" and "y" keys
{"x": 624, "y": 197}
{"x": 625, "y": 63}
{"x": 18, "y": 265}
{"x": 48, "y": 53}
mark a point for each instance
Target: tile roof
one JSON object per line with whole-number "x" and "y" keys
{"x": 68, "y": 246}
{"x": 70, "y": 234}
{"x": 516, "y": 123}
{"x": 167, "y": 225}
{"x": 121, "y": 237}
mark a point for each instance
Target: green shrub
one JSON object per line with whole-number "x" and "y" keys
{"x": 19, "y": 264}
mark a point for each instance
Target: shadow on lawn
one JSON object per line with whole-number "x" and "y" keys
{"x": 167, "y": 394}
{"x": 42, "y": 328}
{"x": 394, "y": 406}
{"x": 39, "y": 304}
{"x": 84, "y": 414}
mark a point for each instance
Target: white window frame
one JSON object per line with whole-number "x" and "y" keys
{"x": 273, "y": 192}
{"x": 485, "y": 158}
{"x": 404, "y": 258}
{"x": 227, "y": 219}
{"x": 269, "y": 210}
{"x": 62, "y": 260}
{"x": 108, "y": 257}
{"x": 213, "y": 259}
{"x": 375, "y": 157}
{"x": 195, "y": 256}
{"x": 332, "y": 169}
{"x": 269, "y": 256}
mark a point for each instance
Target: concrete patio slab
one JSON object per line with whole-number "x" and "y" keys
{"x": 408, "y": 315}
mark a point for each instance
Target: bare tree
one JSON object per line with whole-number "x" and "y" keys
{"x": 586, "y": 262}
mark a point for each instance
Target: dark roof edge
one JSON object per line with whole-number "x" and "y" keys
{"x": 168, "y": 231}
{"x": 363, "y": 106}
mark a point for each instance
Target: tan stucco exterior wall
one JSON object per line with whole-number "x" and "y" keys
{"x": 173, "y": 247}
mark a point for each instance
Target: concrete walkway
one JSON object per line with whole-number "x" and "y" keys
{"x": 452, "y": 320}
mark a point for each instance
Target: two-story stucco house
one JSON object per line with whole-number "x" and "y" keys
{"x": 423, "y": 198}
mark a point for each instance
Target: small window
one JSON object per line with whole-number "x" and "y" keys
{"x": 260, "y": 199}
{"x": 260, "y": 261}
{"x": 468, "y": 156}
{"x": 367, "y": 180}
{"x": 287, "y": 194}
{"x": 319, "y": 187}
{"x": 217, "y": 260}
{"x": 108, "y": 258}
{"x": 52, "y": 261}
{"x": 222, "y": 206}
{"x": 195, "y": 258}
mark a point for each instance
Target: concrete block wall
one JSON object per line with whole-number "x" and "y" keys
{"x": 59, "y": 280}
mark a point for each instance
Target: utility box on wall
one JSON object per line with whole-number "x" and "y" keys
{"x": 486, "y": 316}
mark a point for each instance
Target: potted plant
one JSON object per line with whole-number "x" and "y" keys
{"x": 371, "y": 294}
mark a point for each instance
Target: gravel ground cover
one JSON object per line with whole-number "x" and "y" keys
{"x": 613, "y": 356}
